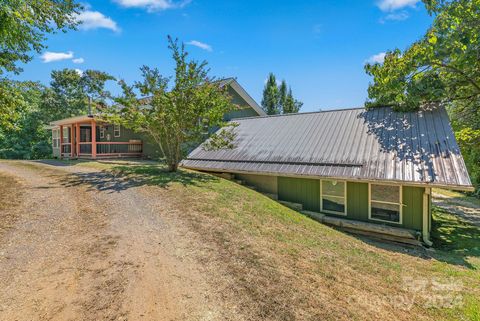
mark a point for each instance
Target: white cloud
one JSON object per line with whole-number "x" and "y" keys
{"x": 78, "y": 60}
{"x": 79, "y": 71}
{"x": 200, "y": 45}
{"x": 50, "y": 56}
{"x": 391, "y": 5}
{"x": 377, "y": 59}
{"x": 94, "y": 20}
{"x": 153, "y": 5}
{"x": 395, "y": 16}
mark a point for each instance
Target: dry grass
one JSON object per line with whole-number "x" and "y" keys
{"x": 9, "y": 198}
{"x": 285, "y": 266}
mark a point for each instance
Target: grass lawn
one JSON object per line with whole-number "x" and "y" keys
{"x": 287, "y": 266}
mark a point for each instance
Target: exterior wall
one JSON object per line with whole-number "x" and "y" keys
{"x": 245, "y": 111}
{"x": 300, "y": 190}
{"x": 150, "y": 150}
{"x": 265, "y": 184}
{"x": 307, "y": 192}
{"x": 412, "y": 211}
{"x": 125, "y": 134}
{"x": 56, "y": 152}
{"x": 357, "y": 201}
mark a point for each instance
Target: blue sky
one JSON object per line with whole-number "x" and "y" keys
{"x": 318, "y": 47}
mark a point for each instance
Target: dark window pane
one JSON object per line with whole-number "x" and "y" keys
{"x": 386, "y": 212}
{"x": 334, "y": 204}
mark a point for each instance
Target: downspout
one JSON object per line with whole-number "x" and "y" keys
{"x": 426, "y": 217}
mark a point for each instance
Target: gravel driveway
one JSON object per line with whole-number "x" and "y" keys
{"x": 95, "y": 252}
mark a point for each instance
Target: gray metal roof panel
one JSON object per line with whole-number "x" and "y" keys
{"x": 377, "y": 144}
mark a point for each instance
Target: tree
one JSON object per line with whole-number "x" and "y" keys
{"x": 72, "y": 93}
{"x": 24, "y": 25}
{"x": 176, "y": 117}
{"x": 270, "y": 99}
{"x": 279, "y": 99}
{"x": 27, "y": 138}
{"x": 443, "y": 67}
{"x": 282, "y": 97}
{"x": 291, "y": 104}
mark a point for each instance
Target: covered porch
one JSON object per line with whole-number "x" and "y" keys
{"x": 85, "y": 137}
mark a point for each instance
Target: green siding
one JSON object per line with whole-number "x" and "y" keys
{"x": 357, "y": 201}
{"x": 412, "y": 211}
{"x": 150, "y": 149}
{"x": 307, "y": 192}
{"x": 245, "y": 109}
{"x": 265, "y": 184}
{"x": 125, "y": 134}
{"x": 300, "y": 190}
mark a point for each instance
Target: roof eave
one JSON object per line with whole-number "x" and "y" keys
{"x": 463, "y": 188}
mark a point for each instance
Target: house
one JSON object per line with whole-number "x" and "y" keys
{"x": 87, "y": 137}
{"x": 367, "y": 170}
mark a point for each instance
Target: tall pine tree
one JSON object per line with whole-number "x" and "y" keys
{"x": 279, "y": 99}
{"x": 270, "y": 96}
{"x": 282, "y": 96}
{"x": 291, "y": 104}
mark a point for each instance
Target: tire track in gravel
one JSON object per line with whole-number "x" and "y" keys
{"x": 80, "y": 252}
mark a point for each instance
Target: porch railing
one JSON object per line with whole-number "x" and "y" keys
{"x": 112, "y": 148}
{"x": 124, "y": 148}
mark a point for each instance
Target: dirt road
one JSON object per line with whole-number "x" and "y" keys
{"x": 73, "y": 252}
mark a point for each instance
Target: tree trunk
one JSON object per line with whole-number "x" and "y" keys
{"x": 172, "y": 167}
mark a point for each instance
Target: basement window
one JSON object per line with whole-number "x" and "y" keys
{"x": 385, "y": 203}
{"x": 333, "y": 195}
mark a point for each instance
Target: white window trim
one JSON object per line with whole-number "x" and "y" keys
{"x": 400, "y": 203}
{"x": 102, "y": 132}
{"x": 344, "y": 197}
{"x": 116, "y": 130}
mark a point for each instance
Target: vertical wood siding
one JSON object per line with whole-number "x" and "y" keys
{"x": 412, "y": 211}
{"x": 300, "y": 190}
{"x": 357, "y": 201}
{"x": 265, "y": 184}
{"x": 307, "y": 192}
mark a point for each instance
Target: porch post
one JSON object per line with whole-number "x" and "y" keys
{"x": 77, "y": 138}
{"x": 72, "y": 143}
{"x": 94, "y": 139}
{"x": 61, "y": 141}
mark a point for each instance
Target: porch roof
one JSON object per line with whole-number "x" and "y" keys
{"x": 72, "y": 120}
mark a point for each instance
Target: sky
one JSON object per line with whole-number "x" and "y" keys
{"x": 318, "y": 47}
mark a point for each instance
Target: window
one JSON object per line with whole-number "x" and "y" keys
{"x": 333, "y": 197}
{"x": 56, "y": 138}
{"x": 66, "y": 135}
{"x": 385, "y": 203}
{"x": 102, "y": 132}
{"x": 116, "y": 130}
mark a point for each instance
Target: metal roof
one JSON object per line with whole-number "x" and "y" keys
{"x": 417, "y": 148}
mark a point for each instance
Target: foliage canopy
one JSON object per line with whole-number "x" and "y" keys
{"x": 442, "y": 68}
{"x": 179, "y": 116}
